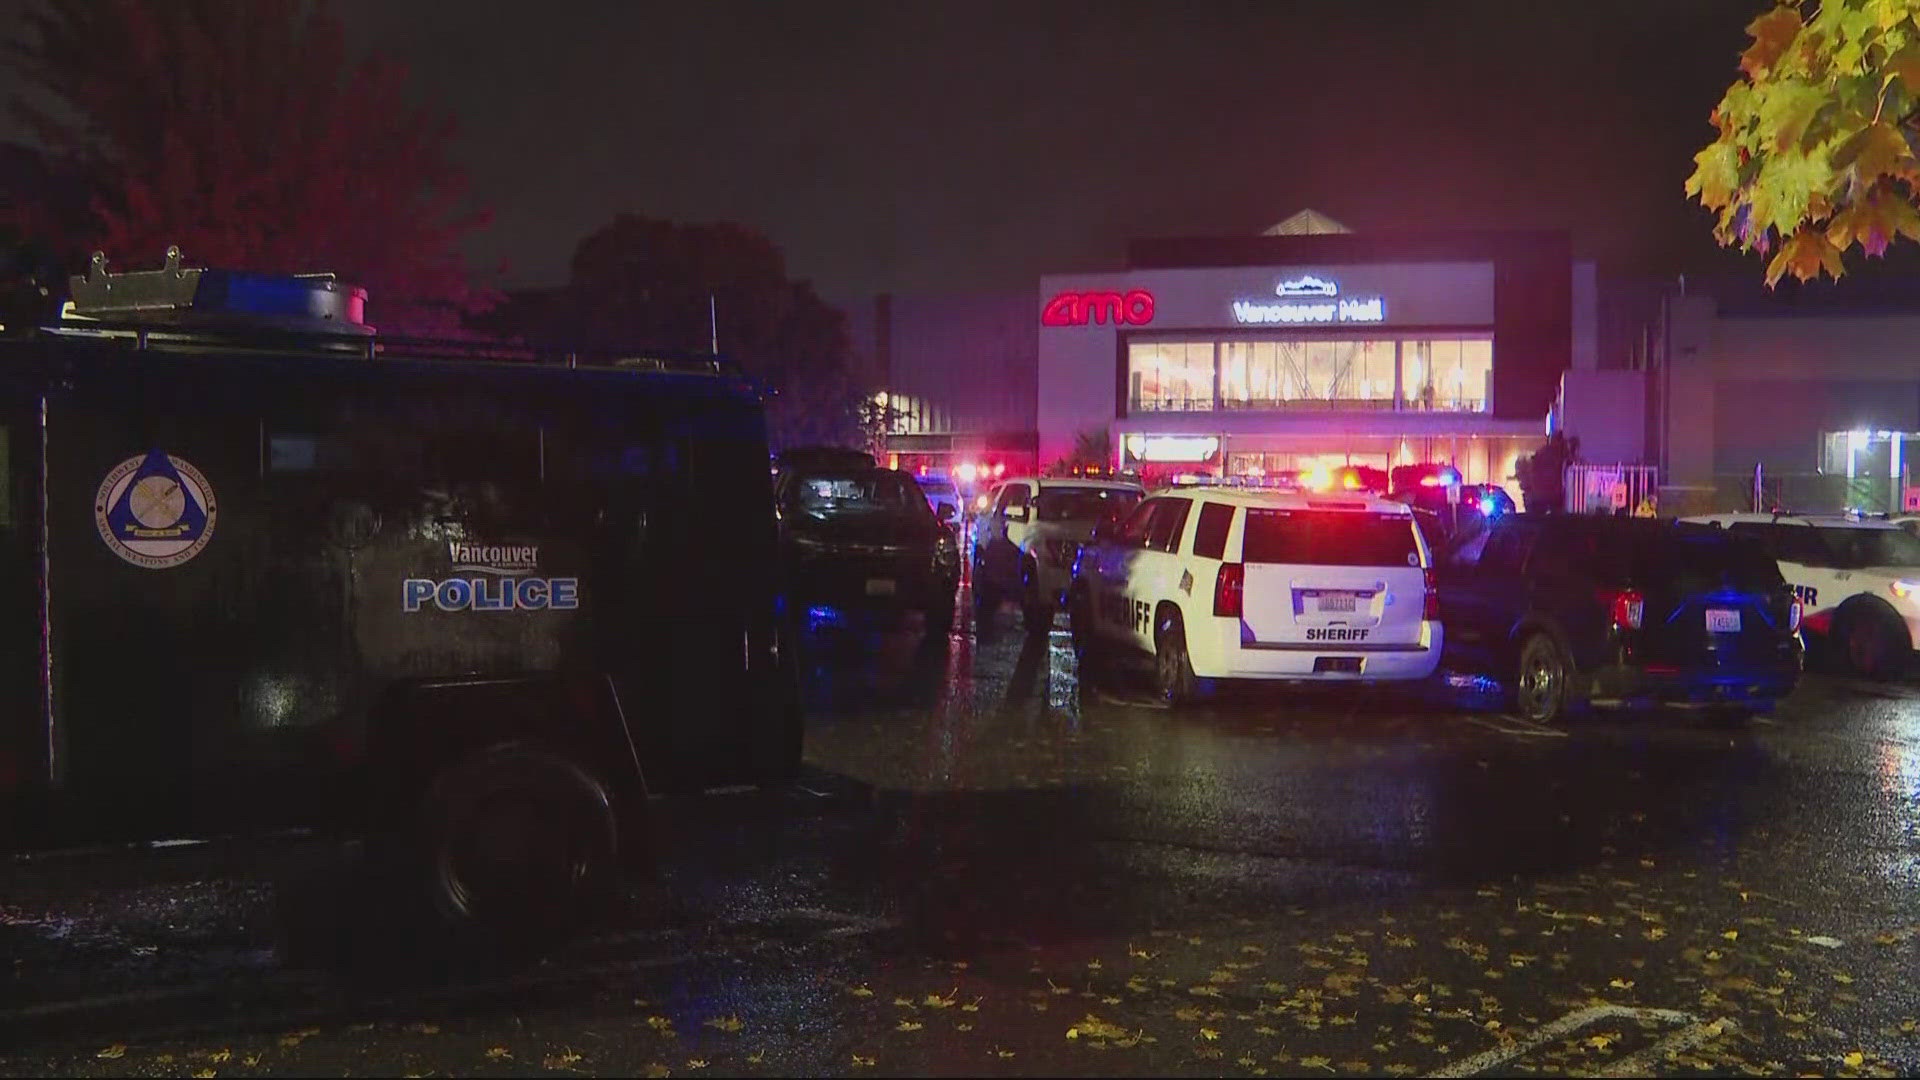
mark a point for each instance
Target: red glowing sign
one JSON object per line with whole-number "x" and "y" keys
{"x": 1132, "y": 308}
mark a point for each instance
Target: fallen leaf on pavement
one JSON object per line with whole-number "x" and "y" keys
{"x": 696, "y": 1063}
{"x": 1621, "y": 984}
{"x": 1316, "y": 1062}
{"x": 112, "y": 1052}
{"x": 495, "y": 1053}
{"x": 908, "y": 1025}
{"x": 1854, "y": 1059}
{"x": 657, "y": 1070}
{"x": 1209, "y": 1034}
{"x": 1731, "y": 935}
{"x": 728, "y": 1024}
{"x": 566, "y": 1059}
{"x": 857, "y": 991}
{"x": 863, "y": 1062}
{"x": 1825, "y": 942}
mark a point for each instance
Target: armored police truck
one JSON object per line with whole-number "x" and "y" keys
{"x": 262, "y": 567}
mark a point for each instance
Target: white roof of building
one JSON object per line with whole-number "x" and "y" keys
{"x": 1829, "y": 521}
{"x": 1307, "y": 222}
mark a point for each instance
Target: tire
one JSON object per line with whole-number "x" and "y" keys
{"x": 1036, "y": 610}
{"x": 1542, "y": 681}
{"x": 939, "y": 616}
{"x": 520, "y": 847}
{"x": 1086, "y": 643}
{"x": 1872, "y": 642}
{"x": 1172, "y": 668}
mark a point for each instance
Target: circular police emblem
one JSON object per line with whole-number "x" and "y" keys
{"x": 155, "y": 511}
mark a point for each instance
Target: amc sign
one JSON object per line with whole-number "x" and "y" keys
{"x": 1132, "y": 308}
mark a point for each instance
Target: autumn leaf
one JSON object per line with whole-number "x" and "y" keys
{"x": 1316, "y": 1062}
{"x": 728, "y": 1024}
{"x": 1209, "y": 1034}
{"x": 117, "y": 1050}
{"x": 204, "y": 1074}
{"x": 1854, "y": 1059}
{"x": 696, "y": 1063}
{"x": 862, "y": 1062}
{"x": 496, "y": 1053}
{"x": 908, "y": 1025}
{"x": 1772, "y": 34}
{"x": 1621, "y": 984}
{"x": 657, "y": 1070}
{"x": 860, "y": 991}
{"x": 566, "y": 1059}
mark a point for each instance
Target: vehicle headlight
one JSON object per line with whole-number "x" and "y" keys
{"x": 1906, "y": 589}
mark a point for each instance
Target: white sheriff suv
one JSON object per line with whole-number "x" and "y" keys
{"x": 1259, "y": 585}
{"x": 1857, "y": 580}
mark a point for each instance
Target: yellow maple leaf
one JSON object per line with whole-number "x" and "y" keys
{"x": 862, "y": 1062}
{"x": 1731, "y": 935}
{"x": 1093, "y": 965}
{"x": 696, "y": 1063}
{"x": 935, "y": 1001}
{"x": 495, "y": 1053}
{"x": 1621, "y": 984}
{"x": 1316, "y": 1062}
{"x": 1602, "y": 1041}
{"x": 1209, "y": 1034}
{"x": 728, "y": 1024}
{"x": 659, "y": 1023}
{"x": 907, "y": 1003}
{"x": 1854, "y": 1059}
{"x": 857, "y": 991}
{"x": 566, "y": 1059}
{"x": 1842, "y": 977}
{"x": 1655, "y": 933}
{"x": 908, "y": 1025}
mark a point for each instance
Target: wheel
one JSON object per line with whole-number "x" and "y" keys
{"x": 520, "y": 847}
{"x": 939, "y": 615}
{"x": 1173, "y": 671}
{"x": 1541, "y": 685}
{"x": 1872, "y": 642}
{"x": 1036, "y": 608}
{"x": 1086, "y": 645}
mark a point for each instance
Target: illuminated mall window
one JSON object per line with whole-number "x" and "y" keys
{"x": 1449, "y": 375}
{"x": 1170, "y": 376}
{"x": 1304, "y": 374}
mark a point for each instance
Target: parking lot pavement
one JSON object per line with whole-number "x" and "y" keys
{"x": 993, "y": 870}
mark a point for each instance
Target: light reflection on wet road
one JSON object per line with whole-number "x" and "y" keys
{"x": 990, "y": 859}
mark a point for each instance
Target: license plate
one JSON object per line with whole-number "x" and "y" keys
{"x": 1341, "y": 602}
{"x": 1348, "y": 664}
{"x": 1722, "y": 621}
{"x": 880, "y": 586}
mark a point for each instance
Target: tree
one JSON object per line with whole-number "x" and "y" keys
{"x": 645, "y": 282}
{"x": 1816, "y": 145}
{"x": 1090, "y": 449}
{"x": 1543, "y": 474}
{"x": 245, "y": 134}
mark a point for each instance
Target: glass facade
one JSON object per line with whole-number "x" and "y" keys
{"x": 1439, "y": 374}
{"x": 1170, "y": 376}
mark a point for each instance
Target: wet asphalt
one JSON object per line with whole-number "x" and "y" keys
{"x": 992, "y": 869}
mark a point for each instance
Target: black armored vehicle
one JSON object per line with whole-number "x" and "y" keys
{"x": 264, "y": 568}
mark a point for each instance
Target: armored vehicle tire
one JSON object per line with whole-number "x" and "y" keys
{"x": 519, "y": 846}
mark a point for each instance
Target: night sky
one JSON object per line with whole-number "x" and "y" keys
{"x": 923, "y": 147}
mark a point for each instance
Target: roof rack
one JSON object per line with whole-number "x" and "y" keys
{"x": 177, "y": 307}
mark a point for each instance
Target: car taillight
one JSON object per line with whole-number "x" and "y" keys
{"x": 1229, "y": 590}
{"x": 1628, "y": 608}
{"x": 1793, "y": 617}
{"x": 1431, "y": 612}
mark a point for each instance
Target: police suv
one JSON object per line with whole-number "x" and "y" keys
{"x": 1857, "y": 579}
{"x": 262, "y": 568}
{"x": 1259, "y": 585}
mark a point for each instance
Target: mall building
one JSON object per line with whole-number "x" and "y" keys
{"x": 1309, "y": 344}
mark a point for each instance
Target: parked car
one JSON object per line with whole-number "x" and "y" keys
{"x": 1858, "y": 580}
{"x": 866, "y": 538}
{"x": 1259, "y": 585}
{"x": 1565, "y": 610}
{"x": 1030, "y": 534}
{"x": 942, "y": 496}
